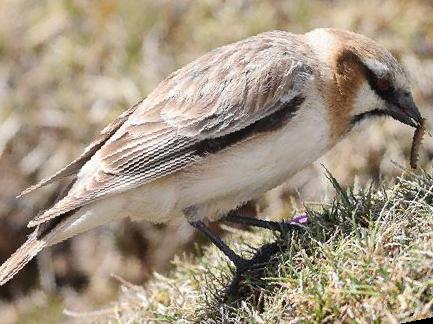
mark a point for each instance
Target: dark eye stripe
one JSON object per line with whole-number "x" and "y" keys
{"x": 386, "y": 93}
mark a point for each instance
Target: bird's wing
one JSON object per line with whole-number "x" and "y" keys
{"x": 228, "y": 95}
{"x": 73, "y": 167}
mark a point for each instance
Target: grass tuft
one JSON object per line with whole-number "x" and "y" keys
{"x": 365, "y": 256}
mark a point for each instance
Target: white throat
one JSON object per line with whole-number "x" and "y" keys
{"x": 366, "y": 100}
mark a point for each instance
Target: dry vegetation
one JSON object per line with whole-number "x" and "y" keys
{"x": 365, "y": 256}
{"x": 68, "y": 67}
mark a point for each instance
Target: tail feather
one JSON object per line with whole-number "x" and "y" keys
{"x": 46, "y": 235}
{"x": 21, "y": 257}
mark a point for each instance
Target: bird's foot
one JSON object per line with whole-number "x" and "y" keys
{"x": 254, "y": 266}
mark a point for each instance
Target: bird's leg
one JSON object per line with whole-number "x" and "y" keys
{"x": 240, "y": 263}
{"x": 262, "y": 256}
{"x": 282, "y": 227}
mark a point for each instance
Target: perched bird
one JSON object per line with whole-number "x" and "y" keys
{"x": 223, "y": 130}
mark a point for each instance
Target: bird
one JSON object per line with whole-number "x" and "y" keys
{"x": 221, "y": 131}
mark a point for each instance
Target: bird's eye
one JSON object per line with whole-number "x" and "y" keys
{"x": 383, "y": 84}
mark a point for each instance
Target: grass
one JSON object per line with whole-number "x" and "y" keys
{"x": 366, "y": 256}
{"x": 69, "y": 67}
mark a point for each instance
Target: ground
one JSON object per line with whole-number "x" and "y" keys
{"x": 364, "y": 256}
{"x": 69, "y": 67}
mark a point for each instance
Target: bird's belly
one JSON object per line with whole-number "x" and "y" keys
{"x": 243, "y": 172}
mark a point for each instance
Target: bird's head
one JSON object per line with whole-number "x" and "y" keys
{"x": 366, "y": 80}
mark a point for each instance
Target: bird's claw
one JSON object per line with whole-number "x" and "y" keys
{"x": 256, "y": 263}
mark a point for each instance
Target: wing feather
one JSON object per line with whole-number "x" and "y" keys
{"x": 73, "y": 167}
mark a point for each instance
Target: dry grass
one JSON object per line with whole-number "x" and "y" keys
{"x": 365, "y": 257}
{"x": 68, "y": 67}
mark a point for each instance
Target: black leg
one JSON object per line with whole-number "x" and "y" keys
{"x": 232, "y": 217}
{"x": 238, "y": 261}
{"x": 262, "y": 256}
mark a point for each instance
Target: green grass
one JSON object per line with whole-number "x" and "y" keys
{"x": 365, "y": 256}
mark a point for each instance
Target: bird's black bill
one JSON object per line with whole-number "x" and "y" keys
{"x": 405, "y": 118}
{"x": 403, "y": 109}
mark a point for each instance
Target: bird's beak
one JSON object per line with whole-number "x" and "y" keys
{"x": 404, "y": 109}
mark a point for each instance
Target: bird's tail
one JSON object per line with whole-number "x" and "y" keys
{"x": 21, "y": 257}
{"x": 45, "y": 235}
